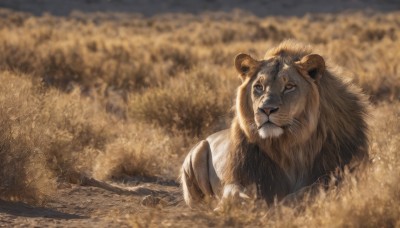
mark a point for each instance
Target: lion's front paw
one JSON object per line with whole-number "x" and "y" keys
{"x": 233, "y": 194}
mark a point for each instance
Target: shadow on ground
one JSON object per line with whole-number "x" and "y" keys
{"x": 25, "y": 210}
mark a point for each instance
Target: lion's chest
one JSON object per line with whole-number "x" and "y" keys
{"x": 298, "y": 178}
{"x": 296, "y": 165}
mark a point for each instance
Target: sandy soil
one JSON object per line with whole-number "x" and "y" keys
{"x": 99, "y": 206}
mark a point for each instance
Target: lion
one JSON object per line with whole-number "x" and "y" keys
{"x": 297, "y": 122}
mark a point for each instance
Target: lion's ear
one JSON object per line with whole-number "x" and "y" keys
{"x": 313, "y": 65}
{"x": 245, "y": 64}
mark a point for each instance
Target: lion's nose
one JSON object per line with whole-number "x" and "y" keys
{"x": 269, "y": 110}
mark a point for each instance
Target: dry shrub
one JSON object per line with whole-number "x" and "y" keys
{"x": 78, "y": 131}
{"x": 144, "y": 150}
{"x": 123, "y": 158}
{"x": 24, "y": 172}
{"x": 194, "y": 102}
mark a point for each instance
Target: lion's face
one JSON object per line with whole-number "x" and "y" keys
{"x": 279, "y": 96}
{"x": 282, "y": 93}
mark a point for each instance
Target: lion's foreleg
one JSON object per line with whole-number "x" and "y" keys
{"x": 195, "y": 174}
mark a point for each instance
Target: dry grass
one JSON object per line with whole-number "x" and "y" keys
{"x": 106, "y": 96}
{"x": 48, "y": 134}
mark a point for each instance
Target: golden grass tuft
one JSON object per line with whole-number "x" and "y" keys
{"x": 195, "y": 102}
{"x": 24, "y": 173}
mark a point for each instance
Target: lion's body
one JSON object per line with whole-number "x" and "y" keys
{"x": 296, "y": 123}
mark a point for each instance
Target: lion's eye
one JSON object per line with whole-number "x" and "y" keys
{"x": 290, "y": 87}
{"x": 258, "y": 87}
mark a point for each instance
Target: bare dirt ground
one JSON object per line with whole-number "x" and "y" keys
{"x": 83, "y": 205}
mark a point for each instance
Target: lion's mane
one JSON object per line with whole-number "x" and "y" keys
{"x": 279, "y": 166}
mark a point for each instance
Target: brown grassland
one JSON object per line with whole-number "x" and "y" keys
{"x": 122, "y": 98}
